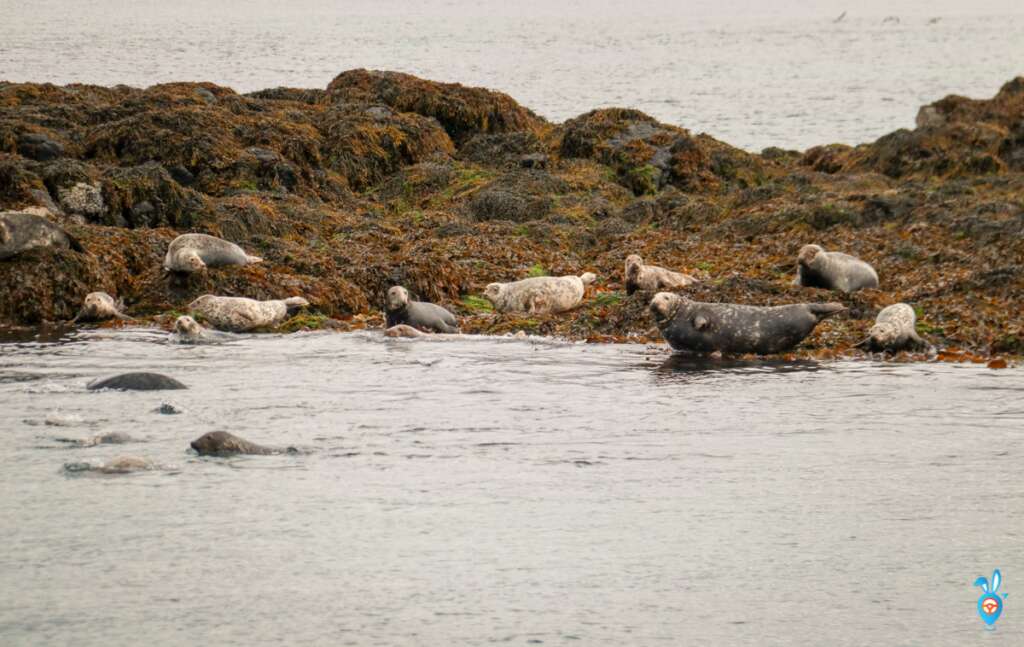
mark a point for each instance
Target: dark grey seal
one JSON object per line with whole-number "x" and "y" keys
{"x": 137, "y": 382}
{"x": 418, "y": 314}
{"x": 221, "y": 443}
{"x": 21, "y": 231}
{"x": 735, "y": 329}
{"x": 816, "y": 268}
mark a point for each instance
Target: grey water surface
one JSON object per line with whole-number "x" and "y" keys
{"x": 477, "y": 490}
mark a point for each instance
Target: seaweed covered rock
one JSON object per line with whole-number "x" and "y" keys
{"x": 147, "y": 196}
{"x": 517, "y": 196}
{"x": 462, "y": 111}
{"x": 505, "y": 150}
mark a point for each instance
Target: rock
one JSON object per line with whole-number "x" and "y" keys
{"x": 83, "y": 199}
{"x": 504, "y": 150}
{"x": 39, "y": 147}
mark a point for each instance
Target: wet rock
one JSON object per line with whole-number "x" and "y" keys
{"x": 39, "y": 147}
{"x": 84, "y": 200}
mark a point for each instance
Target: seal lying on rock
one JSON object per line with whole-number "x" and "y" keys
{"x": 137, "y": 382}
{"x": 221, "y": 443}
{"x": 539, "y": 294}
{"x": 20, "y": 231}
{"x": 402, "y": 330}
{"x": 895, "y": 329}
{"x": 195, "y": 252}
{"x": 418, "y": 314}
{"x": 816, "y": 268}
{"x": 100, "y": 306}
{"x": 737, "y": 329}
{"x": 651, "y": 278}
{"x": 238, "y": 314}
{"x": 189, "y": 331}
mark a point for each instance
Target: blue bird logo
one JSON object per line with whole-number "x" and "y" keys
{"x": 990, "y": 604}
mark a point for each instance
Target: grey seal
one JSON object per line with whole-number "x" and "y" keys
{"x": 137, "y": 382}
{"x": 816, "y": 268}
{"x": 119, "y": 465}
{"x": 895, "y": 329}
{"x": 100, "y": 306}
{"x": 539, "y": 294}
{"x": 735, "y": 329}
{"x": 651, "y": 278}
{"x": 238, "y": 314}
{"x": 418, "y": 314}
{"x": 111, "y": 438}
{"x": 221, "y": 443}
{"x": 21, "y": 231}
{"x": 402, "y": 330}
{"x": 195, "y": 252}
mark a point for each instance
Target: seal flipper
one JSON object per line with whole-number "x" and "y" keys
{"x": 825, "y": 310}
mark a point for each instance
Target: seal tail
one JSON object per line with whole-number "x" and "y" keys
{"x": 825, "y": 310}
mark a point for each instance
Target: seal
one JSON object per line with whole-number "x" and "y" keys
{"x": 735, "y": 329}
{"x": 816, "y": 268}
{"x": 100, "y": 306}
{"x": 190, "y": 253}
{"x": 21, "y": 231}
{"x": 238, "y": 314}
{"x": 402, "y": 330}
{"x": 539, "y": 294}
{"x": 111, "y": 438}
{"x": 119, "y": 465}
{"x": 137, "y": 382}
{"x": 221, "y": 443}
{"x": 651, "y": 278}
{"x": 418, "y": 314}
{"x": 895, "y": 329}
{"x": 189, "y": 331}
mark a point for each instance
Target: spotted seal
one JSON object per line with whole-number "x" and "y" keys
{"x": 110, "y": 438}
{"x": 221, "y": 443}
{"x": 21, "y": 231}
{"x": 651, "y": 278}
{"x": 735, "y": 329}
{"x": 189, "y": 331}
{"x": 238, "y": 314}
{"x": 895, "y": 329}
{"x": 539, "y": 294}
{"x": 119, "y": 465}
{"x": 816, "y": 268}
{"x": 418, "y": 314}
{"x": 402, "y": 330}
{"x": 136, "y": 382}
{"x": 100, "y": 306}
{"x": 195, "y": 252}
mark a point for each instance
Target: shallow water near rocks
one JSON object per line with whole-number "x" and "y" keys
{"x": 495, "y": 490}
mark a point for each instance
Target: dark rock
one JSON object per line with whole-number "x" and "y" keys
{"x": 39, "y": 147}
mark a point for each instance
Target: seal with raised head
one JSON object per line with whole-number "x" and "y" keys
{"x": 735, "y": 329}
{"x": 189, "y": 331}
{"x": 195, "y": 252}
{"x": 418, "y": 314}
{"x": 816, "y": 268}
{"x": 221, "y": 443}
{"x": 100, "y": 306}
{"x": 21, "y": 231}
{"x": 136, "y": 382}
{"x": 651, "y": 278}
{"x": 238, "y": 314}
{"x": 539, "y": 294}
{"x": 895, "y": 329}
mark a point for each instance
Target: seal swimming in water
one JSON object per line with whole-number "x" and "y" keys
{"x": 735, "y": 329}
{"x": 895, "y": 329}
{"x": 119, "y": 465}
{"x": 189, "y": 331}
{"x": 238, "y": 314}
{"x": 651, "y": 278}
{"x": 418, "y": 314}
{"x": 20, "y": 231}
{"x": 221, "y": 443}
{"x": 100, "y": 306}
{"x": 816, "y": 268}
{"x": 402, "y": 330}
{"x": 137, "y": 382}
{"x": 111, "y": 438}
{"x": 195, "y": 252}
{"x": 539, "y": 294}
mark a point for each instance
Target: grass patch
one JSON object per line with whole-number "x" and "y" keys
{"x": 608, "y": 298}
{"x": 477, "y": 304}
{"x": 704, "y": 265}
{"x": 536, "y": 270}
{"x": 303, "y": 321}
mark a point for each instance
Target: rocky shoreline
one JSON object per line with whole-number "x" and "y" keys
{"x": 385, "y": 179}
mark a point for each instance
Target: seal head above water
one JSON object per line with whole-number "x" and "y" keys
{"x": 539, "y": 294}
{"x": 651, "y": 278}
{"x": 817, "y": 268}
{"x": 20, "y": 231}
{"x": 735, "y": 329}
{"x": 190, "y": 253}
{"x": 137, "y": 382}
{"x": 418, "y": 314}
{"x": 221, "y": 443}
{"x": 238, "y": 314}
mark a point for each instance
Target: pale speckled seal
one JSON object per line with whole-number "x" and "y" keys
{"x": 20, "y": 231}
{"x": 895, "y": 329}
{"x": 735, "y": 329}
{"x": 195, "y": 252}
{"x": 402, "y": 330}
{"x": 651, "y": 278}
{"x": 136, "y": 382}
{"x": 221, "y": 443}
{"x": 418, "y": 314}
{"x": 189, "y": 331}
{"x": 100, "y": 306}
{"x": 111, "y": 438}
{"x": 238, "y": 314}
{"x": 816, "y": 268}
{"x": 119, "y": 465}
{"x": 539, "y": 294}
